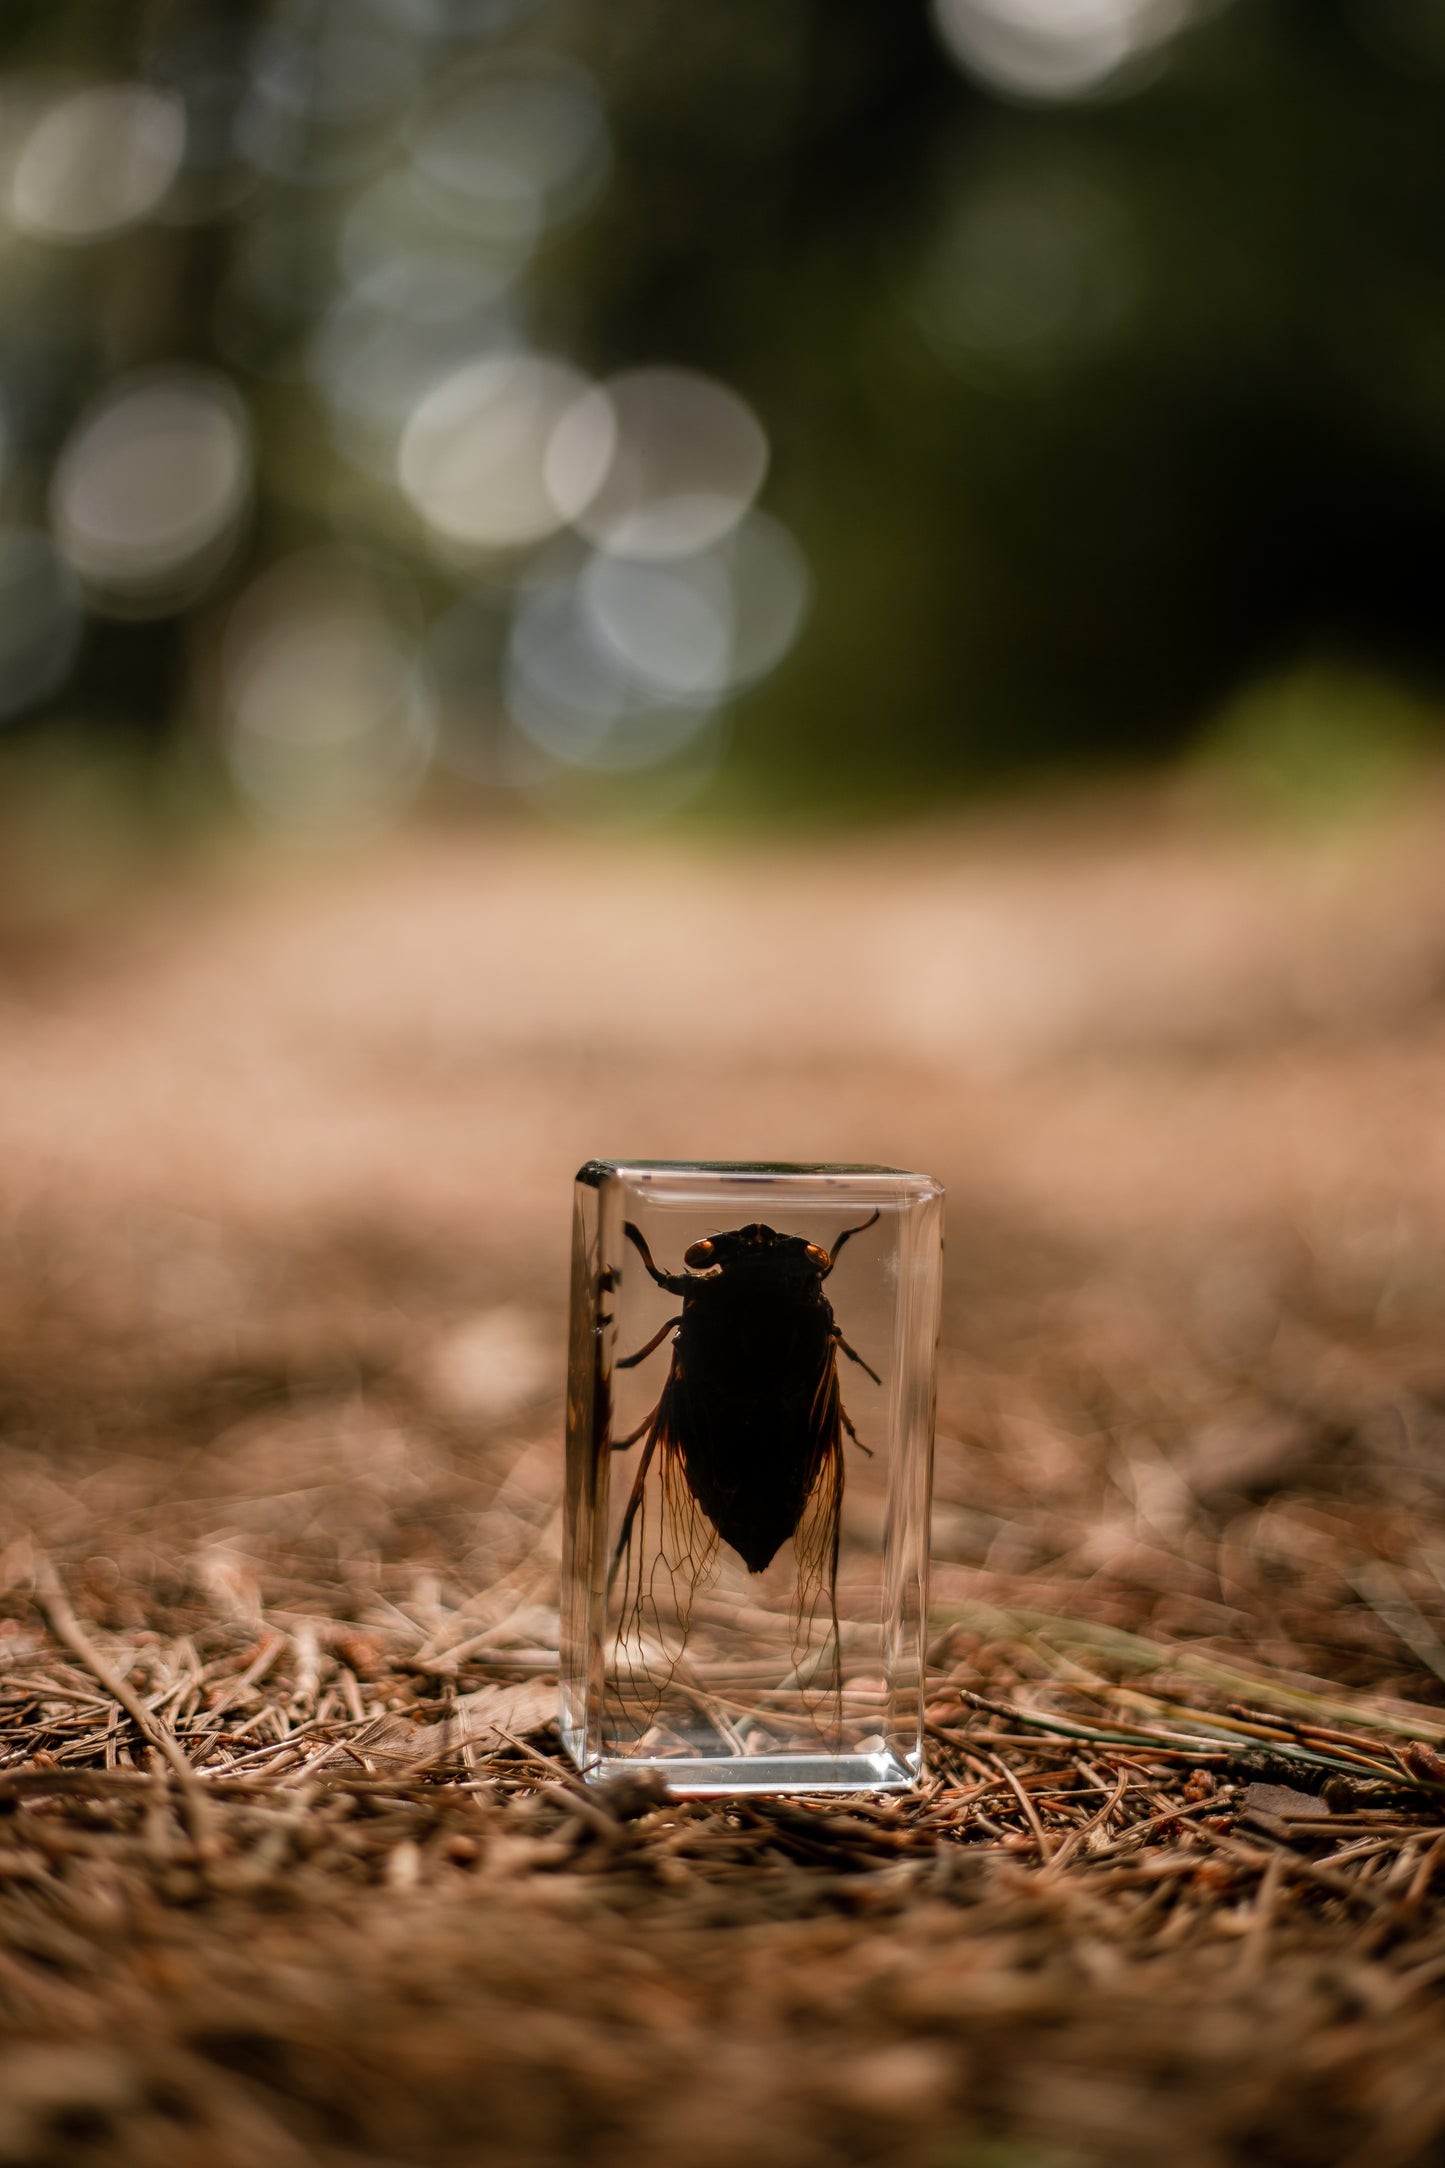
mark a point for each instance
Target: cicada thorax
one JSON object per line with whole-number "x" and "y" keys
{"x": 753, "y": 1363}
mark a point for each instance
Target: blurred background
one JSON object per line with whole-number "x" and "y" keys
{"x": 806, "y": 579}
{"x": 777, "y": 581}
{"x": 497, "y": 407}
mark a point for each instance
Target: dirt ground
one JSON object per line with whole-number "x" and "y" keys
{"x": 288, "y": 1146}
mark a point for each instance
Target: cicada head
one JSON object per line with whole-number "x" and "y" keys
{"x": 760, "y": 1250}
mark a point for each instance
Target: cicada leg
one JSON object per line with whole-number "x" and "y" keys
{"x": 847, "y": 1236}
{"x": 854, "y": 1356}
{"x": 843, "y": 1418}
{"x": 629, "y": 1516}
{"x": 630, "y": 1362}
{"x": 676, "y": 1283}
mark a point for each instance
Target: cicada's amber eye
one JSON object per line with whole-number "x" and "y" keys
{"x": 699, "y": 1254}
{"x": 818, "y": 1257}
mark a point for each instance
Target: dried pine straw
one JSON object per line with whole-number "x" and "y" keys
{"x": 267, "y": 1895}
{"x": 291, "y": 1869}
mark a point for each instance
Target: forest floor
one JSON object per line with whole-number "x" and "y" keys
{"x": 291, "y": 1867}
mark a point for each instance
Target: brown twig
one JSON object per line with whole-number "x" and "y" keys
{"x": 53, "y": 1601}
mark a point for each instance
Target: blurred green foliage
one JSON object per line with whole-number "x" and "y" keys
{"x": 1320, "y": 743}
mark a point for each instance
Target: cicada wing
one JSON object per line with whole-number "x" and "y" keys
{"x": 667, "y": 1550}
{"x": 817, "y": 1652}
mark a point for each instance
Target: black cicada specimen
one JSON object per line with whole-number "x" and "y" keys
{"x": 745, "y": 1446}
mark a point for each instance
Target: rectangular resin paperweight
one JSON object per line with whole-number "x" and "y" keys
{"x": 749, "y": 1459}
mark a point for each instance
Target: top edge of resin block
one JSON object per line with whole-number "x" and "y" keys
{"x": 597, "y": 1171}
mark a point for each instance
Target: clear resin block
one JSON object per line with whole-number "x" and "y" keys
{"x": 749, "y": 1459}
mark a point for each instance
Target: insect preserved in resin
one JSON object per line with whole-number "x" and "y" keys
{"x": 744, "y": 1448}
{"x": 745, "y": 1576}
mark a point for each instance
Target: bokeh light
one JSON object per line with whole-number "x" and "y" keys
{"x": 670, "y": 623}
{"x": 374, "y": 369}
{"x": 575, "y": 697}
{"x": 657, "y": 463}
{"x": 701, "y": 627}
{"x": 473, "y": 455}
{"x": 327, "y": 99}
{"x": 327, "y": 722}
{"x": 393, "y": 174}
{"x": 1054, "y": 48}
{"x": 397, "y": 254}
{"x": 514, "y": 146}
{"x": 151, "y": 488}
{"x": 97, "y": 159}
{"x": 556, "y": 312}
